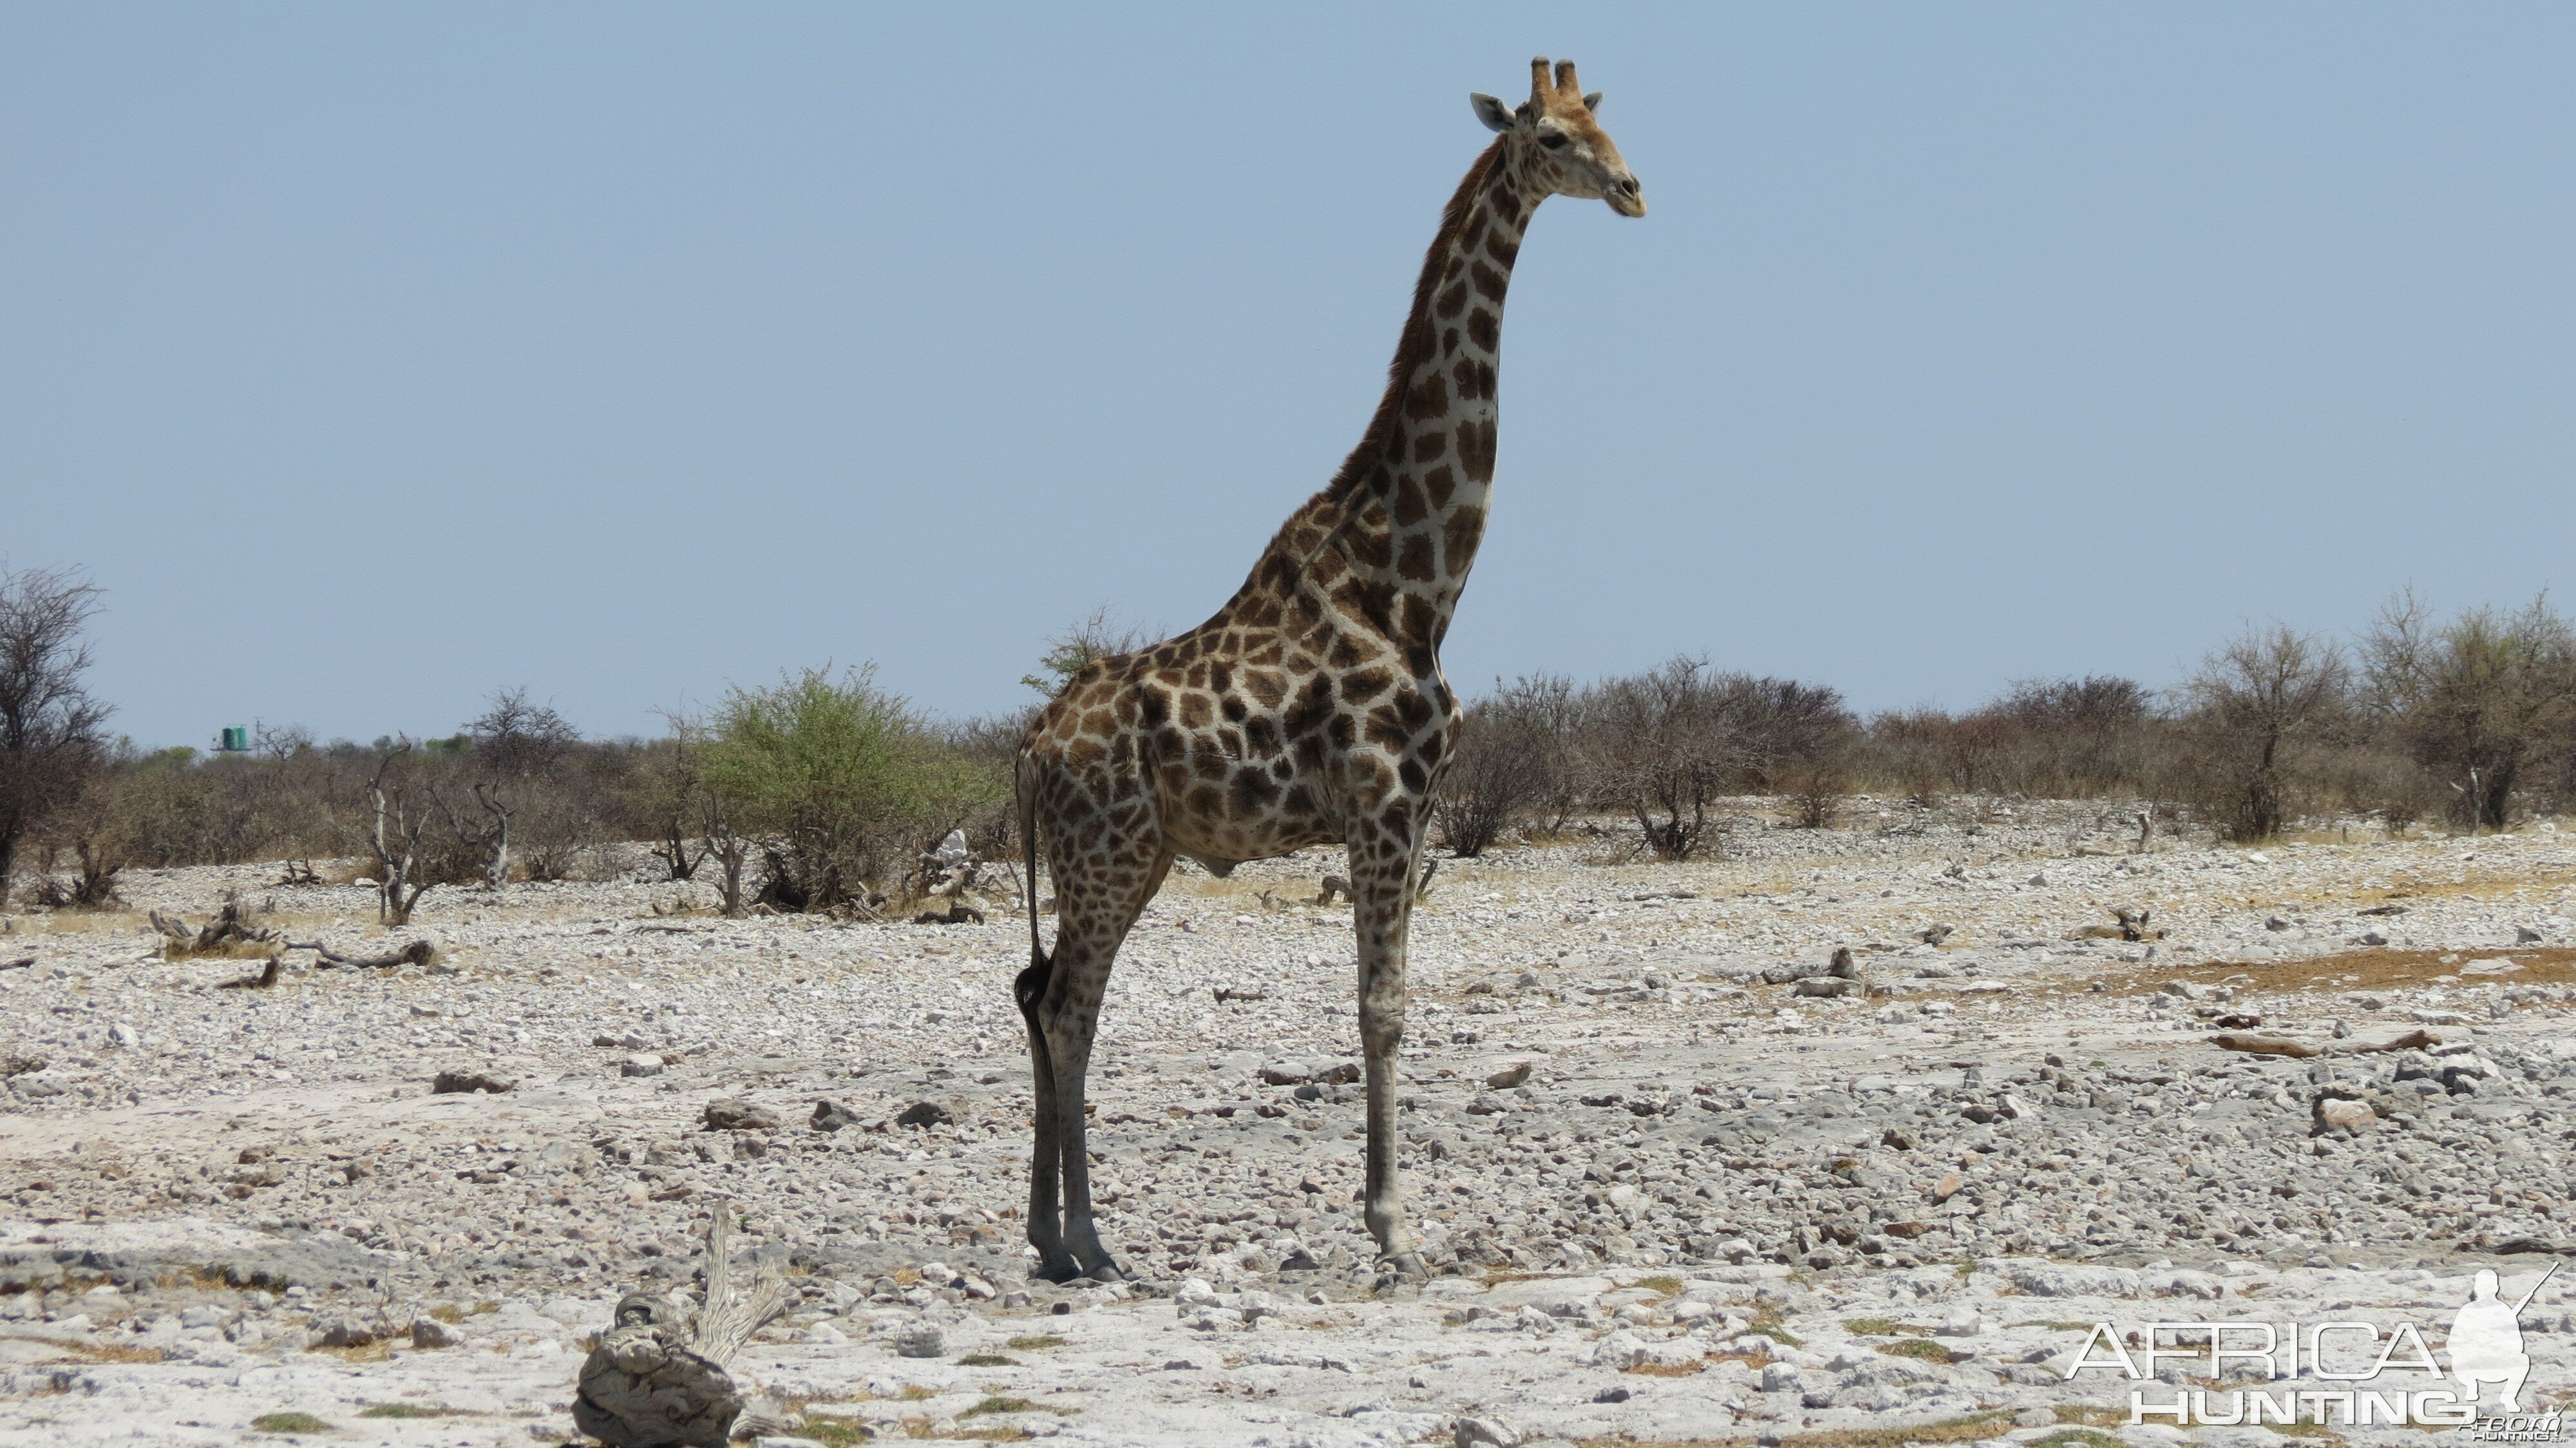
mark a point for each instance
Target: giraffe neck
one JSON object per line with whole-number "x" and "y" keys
{"x": 1390, "y": 541}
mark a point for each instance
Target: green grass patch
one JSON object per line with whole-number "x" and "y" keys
{"x": 1919, "y": 1347}
{"x": 1767, "y": 1323}
{"x": 1668, "y": 1286}
{"x": 987, "y": 1360}
{"x": 1037, "y": 1343}
{"x": 2077, "y": 1438}
{"x": 836, "y": 1432}
{"x": 1006, "y": 1405}
{"x": 404, "y": 1410}
{"x": 1884, "y": 1327}
{"x": 289, "y": 1423}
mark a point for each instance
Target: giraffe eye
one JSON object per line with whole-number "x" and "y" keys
{"x": 1554, "y": 141}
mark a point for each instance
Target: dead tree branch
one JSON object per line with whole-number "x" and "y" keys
{"x": 659, "y": 1376}
{"x": 230, "y": 927}
{"x": 418, "y": 952}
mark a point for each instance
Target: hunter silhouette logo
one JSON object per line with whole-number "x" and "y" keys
{"x": 2486, "y": 1340}
{"x": 2484, "y": 1348}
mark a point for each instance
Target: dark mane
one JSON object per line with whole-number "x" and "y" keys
{"x": 1419, "y": 335}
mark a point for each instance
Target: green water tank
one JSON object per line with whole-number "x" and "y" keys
{"x": 236, "y": 739}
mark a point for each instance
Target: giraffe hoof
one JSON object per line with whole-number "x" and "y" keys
{"x": 1403, "y": 1267}
{"x": 1063, "y": 1271}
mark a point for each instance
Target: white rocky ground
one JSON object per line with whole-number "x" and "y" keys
{"x": 1708, "y": 1212}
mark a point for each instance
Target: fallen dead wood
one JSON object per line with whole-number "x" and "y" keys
{"x": 267, "y": 977}
{"x": 659, "y": 1377}
{"x": 418, "y": 952}
{"x": 2415, "y": 1040}
{"x": 2262, "y": 1044}
{"x": 230, "y": 927}
{"x": 19, "y": 964}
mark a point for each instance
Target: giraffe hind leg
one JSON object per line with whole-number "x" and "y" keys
{"x": 1095, "y": 904}
{"x": 1046, "y": 1226}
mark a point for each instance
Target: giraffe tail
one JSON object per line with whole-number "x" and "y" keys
{"x": 1031, "y": 986}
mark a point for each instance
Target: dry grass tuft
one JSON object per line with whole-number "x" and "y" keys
{"x": 2368, "y": 968}
{"x": 95, "y": 1353}
{"x": 1949, "y": 1430}
{"x": 2077, "y": 1438}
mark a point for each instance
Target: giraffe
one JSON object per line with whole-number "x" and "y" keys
{"x": 1311, "y": 708}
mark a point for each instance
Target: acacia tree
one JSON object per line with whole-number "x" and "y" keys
{"x": 517, "y": 746}
{"x": 1664, "y": 753}
{"x": 2251, "y": 713}
{"x": 2478, "y": 701}
{"x": 836, "y": 778}
{"x": 1097, "y": 636}
{"x": 1549, "y": 712}
{"x": 49, "y": 725}
{"x": 1499, "y": 771}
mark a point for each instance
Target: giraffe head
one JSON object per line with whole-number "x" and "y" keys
{"x": 1561, "y": 142}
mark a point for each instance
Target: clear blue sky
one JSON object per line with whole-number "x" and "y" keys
{"x": 375, "y": 357}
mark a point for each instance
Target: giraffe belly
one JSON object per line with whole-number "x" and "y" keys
{"x": 1216, "y": 807}
{"x": 1231, "y": 842}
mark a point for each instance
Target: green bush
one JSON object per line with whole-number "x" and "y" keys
{"x": 843, "y": 782}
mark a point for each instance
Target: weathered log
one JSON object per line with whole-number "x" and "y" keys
{"x": 18, "y": 964}
{"x": 659, "y": 1377}
{"x": 418, "y": 952}
{"x": 2262, "y": 1045}
{"x": 2415, "y": 1040}
{"x": 229, "y": 927}
{"x": 2270, "y": 1045}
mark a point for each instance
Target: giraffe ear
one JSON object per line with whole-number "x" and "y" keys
{"x": 1592, "y": 103}
{"x": 1495, "y": 115}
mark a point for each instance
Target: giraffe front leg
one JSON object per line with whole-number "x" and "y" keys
{"x": 1096, "y": 907}
{"x": 1382, "y": 856}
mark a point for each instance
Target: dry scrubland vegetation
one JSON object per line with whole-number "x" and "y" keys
{"x": 1680, "y": 1179}
{"x": 825, "y": 792}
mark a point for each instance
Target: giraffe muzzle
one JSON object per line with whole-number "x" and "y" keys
{"x": 1626, "y": 197}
